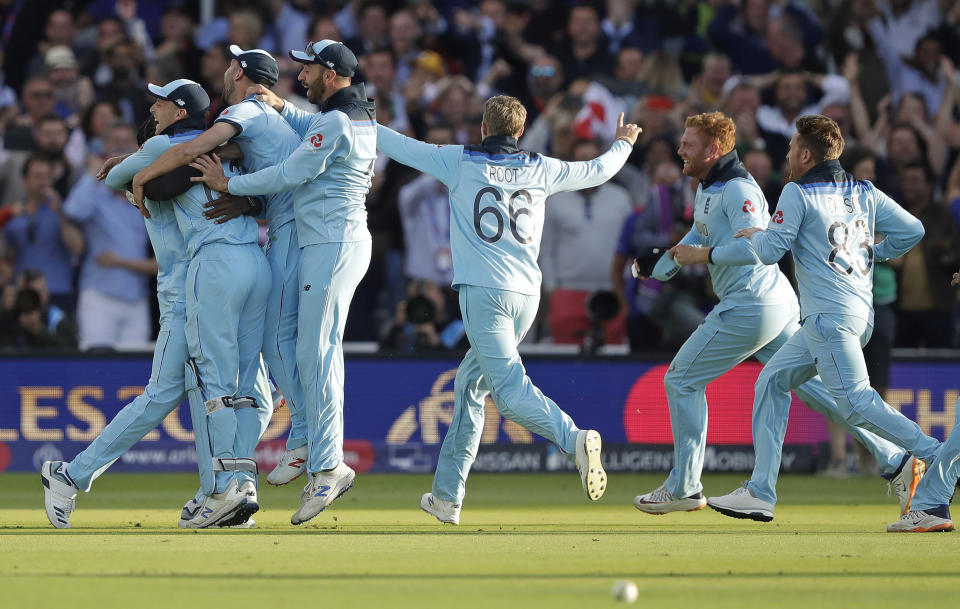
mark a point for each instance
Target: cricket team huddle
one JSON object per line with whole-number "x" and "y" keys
{"x": 241, "y": 325}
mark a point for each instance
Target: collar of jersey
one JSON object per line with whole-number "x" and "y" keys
{"x": 830, "y": 172}
{"x": 344, "y": 96}
{"x": 726, "y": 168}
{"x": 191, "y": 123}
{"x": 500, "y": 144}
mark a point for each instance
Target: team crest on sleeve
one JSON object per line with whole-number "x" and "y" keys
{"x": 777, "y": 217}
{"x": 225, "y": 112}
{"x": 749, "y": 207}
{"x": 316, "y": 140}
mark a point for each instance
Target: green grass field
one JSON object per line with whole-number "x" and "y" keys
{"x": 524, "y": 541}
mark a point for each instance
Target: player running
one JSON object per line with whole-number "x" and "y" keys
{"x": 756, "y": 314}
{"x": 497, "y": 195}
{"x": 828, "y": 219}
{"x": 330, "y": 174}
{"x": 931, "y": 504}
{"x": 264, "y": 138}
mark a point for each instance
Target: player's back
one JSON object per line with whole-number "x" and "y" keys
{"x": 189, "y": 207}
{"x": 497, "y": 211}
{"x": 265, "y": 139}
{"x": 834, "y": 244}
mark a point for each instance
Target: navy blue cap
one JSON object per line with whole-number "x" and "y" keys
{"x": 257, "y": 64}
{"x": 330, "y": 53}
{"x": 185, "y": 94}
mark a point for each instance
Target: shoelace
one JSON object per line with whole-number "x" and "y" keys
{"x": 660, "y": 494}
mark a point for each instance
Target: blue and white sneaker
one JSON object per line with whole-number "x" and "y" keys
{"x": 217, "y": 508}
{"x": 248, "y": 508}
{"x": 444, "y": 511}
{"x": 904, "y": 482}
{"x": 321, "y": 490}
{"x": 188, "y": 512}
{"x": 59, "y": 493}
{"x": 661, "y": 501}
{"x": 742, "y": 504}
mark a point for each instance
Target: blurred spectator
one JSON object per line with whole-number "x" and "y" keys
{"x": 576, "y": 252}
{"x": 618, "y": 25}
{"x": 422, "y": 322}
{"x": 425, "y": 212}
{"x": 372, "y": 30}
{"x": 96, "y": 119}
{"x": 125, "y": 86}
{"x": 215, "y": 62}
{"x": 660, "y": 315}
{"x": 34, "y": 239}
{"x": 58, "y": 32}
{"x": 585, "y": 53}
{"x": 778, "y": 123}
{"x": 177, "y": 30}
{"x": 63, "y": 148}
{"x": 404, "y": 34}
{"x": 626, "y": 82}
{"x": 741, "y": 101}
{"x": 925, "y": 316}
{"x": 380, "y": 71}
{"x": 902, "y": 23}
{"x": 112, "y": 308}
{"x": 38, "y": 102}
{"x": 759, "y": 164}
{"x": 22, "y": 24}
{"x": 71, "y": 91}
{"x": 919, "y": 72}
{"x": 289, "y": 24}
{"x": 28, "y": 325}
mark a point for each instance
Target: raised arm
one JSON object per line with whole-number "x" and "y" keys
{"x": 563, "y": 176}
{"x": 441, "y": 162}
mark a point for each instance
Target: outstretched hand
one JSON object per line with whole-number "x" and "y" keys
{"x": 212, "y": 172}
{"x": 108, "y": 165}
{"x": 629, "y": 132}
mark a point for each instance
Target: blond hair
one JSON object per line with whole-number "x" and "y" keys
{"x": 821, "y": 136}
{"x": 718, "y": 127}
{"x": 504, "y": 115}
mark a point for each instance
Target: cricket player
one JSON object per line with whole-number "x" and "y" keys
{"x": 930, "y": 511}
{"x": 265, "y": 138}
{"x": 227, "y": 284}
{"x": 757, "y": 313}
{"x": 497, "y": 198}
{"x": 165, "y": 389}
{"x": 330, "y": 174}
{"x": 828, "y": 219}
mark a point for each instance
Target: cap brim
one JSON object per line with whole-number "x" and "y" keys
{"x": 236, "y": 51}
{"x": 301, "y": 57}
{"x": 156, "y": 91}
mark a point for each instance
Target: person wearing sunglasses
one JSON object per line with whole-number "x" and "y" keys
{"x": 330, "y": 174}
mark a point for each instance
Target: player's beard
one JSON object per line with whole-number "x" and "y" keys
{"x": 228, "y": 90}
{"x": 316, "y": 90}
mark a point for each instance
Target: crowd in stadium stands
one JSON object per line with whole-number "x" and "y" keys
{"x": 76, "y": 268}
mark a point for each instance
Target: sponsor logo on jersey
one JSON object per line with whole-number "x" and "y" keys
{"x": 778, "y": 217}
{"x": 316, "y": 140}
{"x": 748, "y": 207}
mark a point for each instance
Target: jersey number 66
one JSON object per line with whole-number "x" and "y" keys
{"x": 512, "y": 212}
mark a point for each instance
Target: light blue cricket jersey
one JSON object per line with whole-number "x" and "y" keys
{"x": 497, "y": 196}
{"x": 265, "y": 138}
{"x": 189, "y": 207}
{"x": 164, "y": 233}
{"x": 728, "y": 199}
{"x": 330, "y": 171}
{"x": 828, "y": 219}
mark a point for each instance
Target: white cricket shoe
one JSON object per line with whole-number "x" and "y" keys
{"x": 217, "y": 508}
{"x": 190, "y": 509}
{"x": 904, "y": 482}
{"x": 321, "y": 490}
{"x": 592, "y": 476}
{"x": 59, "y": 493}
{"x": 292, "y": 465}
{"x": 923, "y": 521}
{"x": 661, "y": 501}
{"x": 741, "y": 504}
{"x": 248, "y": 508}
{"x": 444, "y": 511}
